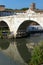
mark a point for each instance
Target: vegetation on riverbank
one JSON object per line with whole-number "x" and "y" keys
{"x": 37, "y": 55}
{"x": 4, "y": 33}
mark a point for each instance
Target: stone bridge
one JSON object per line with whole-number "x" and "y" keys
{"x": 14, "y": 22}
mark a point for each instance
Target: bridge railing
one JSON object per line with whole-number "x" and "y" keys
{"x": 28, "y": 15}
{"x": 25, "y": 15}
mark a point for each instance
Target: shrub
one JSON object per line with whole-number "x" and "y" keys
{"x": 37, "y": 55}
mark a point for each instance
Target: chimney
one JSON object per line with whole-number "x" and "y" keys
{"x": 2, "y": 7}
{"x": 32, "y": 6}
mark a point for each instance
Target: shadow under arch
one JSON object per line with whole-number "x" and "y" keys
{"x": 3, "y": 24}
{"x": 4, "y": 31}
{"x": 26, "y": 23}
{"x": 23, "y": 50}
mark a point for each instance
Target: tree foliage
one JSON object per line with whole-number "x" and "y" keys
{"x": 24, "y": 8}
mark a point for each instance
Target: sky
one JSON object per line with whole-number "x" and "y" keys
{"x": 18, "y": 4}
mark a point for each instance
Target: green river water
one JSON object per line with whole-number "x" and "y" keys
{"x": 18, "y": 51}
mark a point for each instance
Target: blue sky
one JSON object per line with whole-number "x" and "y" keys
{"x": 18, "y": 4}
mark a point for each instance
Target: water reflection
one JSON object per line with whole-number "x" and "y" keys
{"x": 23, "y": 50}
{"x": 25, "y": 45}
{"x": 20, "y": 48}
{"x": 4, "y": 44}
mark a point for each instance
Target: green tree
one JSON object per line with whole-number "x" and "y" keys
{"x": 24, "y": 8}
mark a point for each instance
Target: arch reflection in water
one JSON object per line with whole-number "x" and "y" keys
{"x": 23, "y": 50}
{"x": 19, "y": 49}
{"x": 4, "y": 44}
{"x": 26, "y": 45}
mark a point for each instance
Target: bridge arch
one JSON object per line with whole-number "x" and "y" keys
{"x": 23, "y": 25}
{"x": 4, "y": 26}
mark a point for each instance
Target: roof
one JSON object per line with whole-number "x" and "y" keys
{"x": 2, "y": 5}
{"x": 12, "y": 10}
{"x": 38, "y": 11}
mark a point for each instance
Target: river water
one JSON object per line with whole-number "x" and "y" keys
{"x": 18, "y": 51}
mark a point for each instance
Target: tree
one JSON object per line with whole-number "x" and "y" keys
{"x": 24, "y": 8}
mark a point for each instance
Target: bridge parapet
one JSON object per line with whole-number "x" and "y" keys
{"x": 25, "y": 15}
